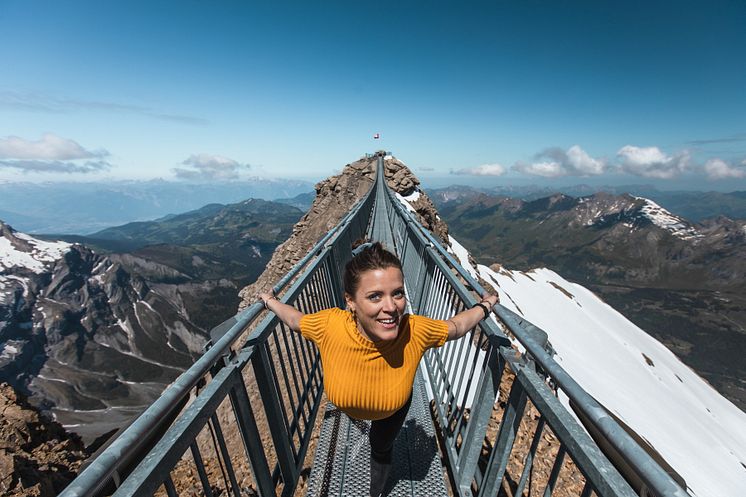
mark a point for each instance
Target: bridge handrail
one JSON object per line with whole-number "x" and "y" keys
{"x": 525, "y": 332}
{"x": 141, "y": 434}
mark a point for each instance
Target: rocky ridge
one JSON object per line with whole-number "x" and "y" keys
{"x": 37, "y": 456}
{"x": 334, "y": 197}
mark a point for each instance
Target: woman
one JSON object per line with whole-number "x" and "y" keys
{"x": 371, "y": 351}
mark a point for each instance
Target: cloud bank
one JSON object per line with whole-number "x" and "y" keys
{"x": 51, "y": 153}
{"x": 207, "y": 167}
{"x": 555, "y": 162}
{"x": 483, "y": 170}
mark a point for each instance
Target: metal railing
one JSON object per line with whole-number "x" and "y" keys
{"x": 466, "y": 377}
{"x": 495, "y": 410}
{"x": 272, "y": 404}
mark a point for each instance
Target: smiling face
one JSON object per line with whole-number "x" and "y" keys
{"x": 379, "y": 303}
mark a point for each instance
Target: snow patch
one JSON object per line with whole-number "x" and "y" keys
{"x": 9, "y": 349}
{"x": 699, "y": 432}
{"x": 670, "y": 222}
{"x": 41, "y": 255}
{"x": 412, "y": 197}
{"x": 462, "y": 256}
{"x": 405, "y": 202}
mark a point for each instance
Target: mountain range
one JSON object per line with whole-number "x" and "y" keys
{"x": 682, "y": 282}
{"x": 692, "y": 205}
{"x": 104, "y": 324}
{"x": 84, "y": 208}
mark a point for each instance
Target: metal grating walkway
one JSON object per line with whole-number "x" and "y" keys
{"x": 342, "y": 463}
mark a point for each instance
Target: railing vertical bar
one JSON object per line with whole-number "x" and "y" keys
{"x": 252, "y": 440}
{"x": 556, "y": 468}
{"x": 462, "y": 360}
{"x": 529, "y": 463}
{"x": 327, "y": 288}
{"x": 455, "y": 371}
{"x": 587, "y": 489}
{"x": 306, "y": 373}
{"x": 170, "y": 487}
{"x": 307, "y": 347}
{"x": 505, "y": 437}
{"x": 488, "y": 389}
{"x": 478, "y": 371}
{"x": 272, "y": 400}
{"x": 201, "y": 469}
{"x": 294, "y": 359}
{"x": 225, "y": 455}
{"x": 448, "y": 354}
{"x": 287, "y": 409}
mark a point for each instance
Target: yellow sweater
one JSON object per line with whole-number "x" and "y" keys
{"x": 370, "y": 380}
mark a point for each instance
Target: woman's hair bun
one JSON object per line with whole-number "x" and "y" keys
{"x": 359, "y": 245}
{"x": 358, "y": 242}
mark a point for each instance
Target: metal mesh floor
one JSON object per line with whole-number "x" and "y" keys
{"x": 341, "y": 466}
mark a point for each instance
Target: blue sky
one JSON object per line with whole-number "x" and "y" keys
{"x": 479, "y": 93}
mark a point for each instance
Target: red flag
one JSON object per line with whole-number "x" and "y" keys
{"x": 376, "y": 136}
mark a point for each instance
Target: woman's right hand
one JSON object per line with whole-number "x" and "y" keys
{"x": 266, "y": 297}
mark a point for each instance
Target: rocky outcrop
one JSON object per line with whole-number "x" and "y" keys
{"x": 37, "y": 456}
{"x": 400, "y": 179}
{"x": 334, "y": 198}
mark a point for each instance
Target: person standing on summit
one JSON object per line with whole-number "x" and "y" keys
{"x": 370, "y": 352}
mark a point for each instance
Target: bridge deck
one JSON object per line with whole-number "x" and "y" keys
{"x": 342, "y": 461}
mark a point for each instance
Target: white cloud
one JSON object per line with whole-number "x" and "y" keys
{"x": 555, "y": 162}
{"x": 50, "y": 147}
{"x": 651, "y": 162}
{"x": 55, "y": 166}
{"x": 581, "y": 162}
{"x": 209, "y": 167}
{"x": 547, "y": 169}
{"x": 51, "y": 153}
{"x": 719, "y": 169}
{"x": 483, "y": 170}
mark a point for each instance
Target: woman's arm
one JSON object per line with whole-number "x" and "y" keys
{"x": 462, "y": 322}
{"x": 287, "y": 313}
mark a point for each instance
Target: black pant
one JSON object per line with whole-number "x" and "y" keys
{"x": 384, "y": 431}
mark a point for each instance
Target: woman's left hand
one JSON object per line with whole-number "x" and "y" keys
{"x": 490, "y": 300}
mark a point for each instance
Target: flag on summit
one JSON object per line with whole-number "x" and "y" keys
{"x": 376, "y": 136}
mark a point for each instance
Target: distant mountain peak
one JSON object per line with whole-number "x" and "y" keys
{"x": 19, "y": 250}
{"x": 634, "y": 213}
{"x": 662, "y": 218}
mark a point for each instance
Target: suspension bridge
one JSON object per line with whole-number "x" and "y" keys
{"x": 485, "y": 419}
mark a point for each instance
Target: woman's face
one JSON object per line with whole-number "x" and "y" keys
{"x": 379, "y": 303}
